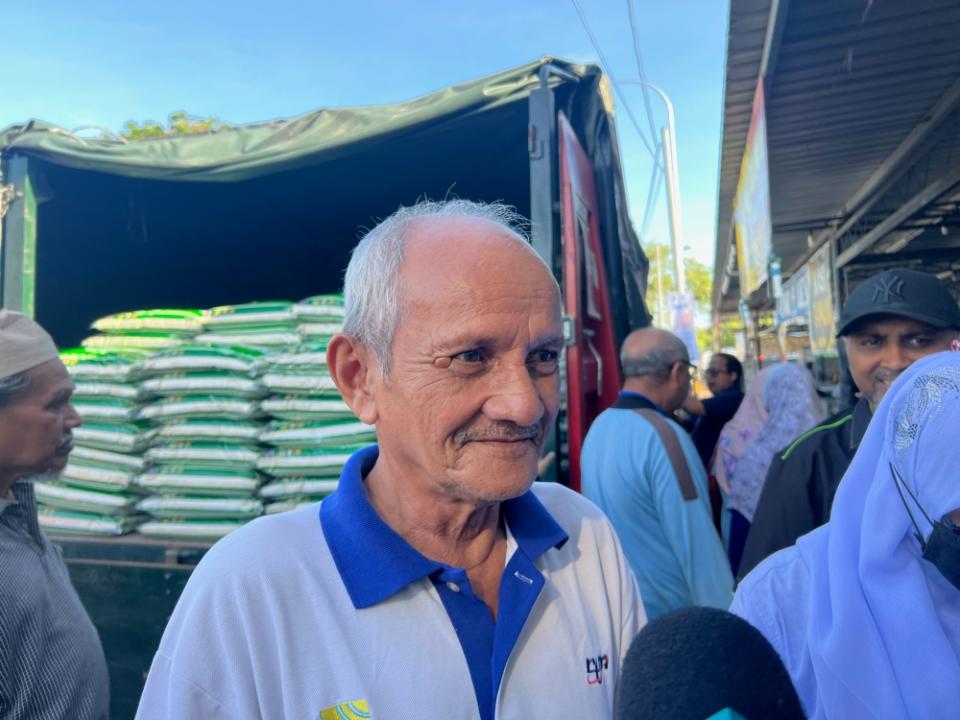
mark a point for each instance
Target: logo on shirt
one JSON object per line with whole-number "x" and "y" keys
{"x": 353, "y": 710}
{"x": 596, "y": 667}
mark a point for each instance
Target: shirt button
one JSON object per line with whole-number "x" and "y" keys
{"x": 453, "y": 586}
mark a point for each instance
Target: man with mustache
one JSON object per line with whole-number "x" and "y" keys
{"x": 51, "y": 661}
{"x": 889, "y": 321}
{"x": 644, "y": 472}
{"x": 438, "y": 580}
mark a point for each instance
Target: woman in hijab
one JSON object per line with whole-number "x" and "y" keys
{"x": 780, "y": 405}
{"x": 865, "y": 610}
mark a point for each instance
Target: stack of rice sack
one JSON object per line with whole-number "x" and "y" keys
{"x": 145, "y": 330}
{"x": 313, "y": 431}
{"x": 96, "y": 493}
{"x": 267, "y": 326}
{"x": 202, "y": 475}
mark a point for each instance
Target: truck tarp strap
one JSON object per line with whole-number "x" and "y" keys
{"x": 672, "y": 445}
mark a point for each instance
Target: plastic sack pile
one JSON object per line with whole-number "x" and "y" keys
{"x": 197, "y": 421}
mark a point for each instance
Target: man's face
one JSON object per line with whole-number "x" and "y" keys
{"x": 474, "y": 386}
{"x": 36, "y": 426}
{"x": 879, "y": 351}
{"x": 718, "y": 379}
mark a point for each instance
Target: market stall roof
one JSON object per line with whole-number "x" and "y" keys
{"x": 246, "y": 151}
{"x": 852, "y": 88}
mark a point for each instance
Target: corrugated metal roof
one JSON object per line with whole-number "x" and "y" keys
{"x": 852, "y": 79}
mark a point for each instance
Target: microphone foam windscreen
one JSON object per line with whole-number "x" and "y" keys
{"x": 692, "y": 663}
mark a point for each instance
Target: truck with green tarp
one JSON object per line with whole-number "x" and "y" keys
{"x": 91, "y": 227}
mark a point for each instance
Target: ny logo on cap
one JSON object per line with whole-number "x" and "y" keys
{"x": 887, "y": 290}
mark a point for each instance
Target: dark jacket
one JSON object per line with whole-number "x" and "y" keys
{"x": 801, "y": 483}
{"x": 720, "y": 409}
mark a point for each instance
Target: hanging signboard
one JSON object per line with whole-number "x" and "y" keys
{"x": 823, "y": 328}
{"x": 793, "y": 306}
{"x": 751, "y": 204}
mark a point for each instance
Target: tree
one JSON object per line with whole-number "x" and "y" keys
{"x": 699, "y": 279}
{"x": 178, "y": 123}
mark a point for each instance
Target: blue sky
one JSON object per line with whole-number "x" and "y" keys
{"x": 103, "y": 62}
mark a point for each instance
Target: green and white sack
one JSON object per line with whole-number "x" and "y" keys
{"x": 251, "y": 316}
{"x": 318, "y": 435}
{"x": 296, "y": 461}
{"x": 308, "y": 358}
{"x": 107, "y": 460}
{"x": 201, "y": 359}
{"x": 203, "y": 430}
{"x": 86, "y": 390}
{"x": 205, "y": 455}
{"x": 96, "y": 478}
{"x": 87, "y": 366}
{"x": 250, "y": 338}
{"x": 104, "y": 410}
{"x": 204, "y": 482}
{"x": 115, "y": 343}
{"x": 191, "y": 530}
{"x": 161, "y": 321}
{"x": 184, "y": 508}
{"x": 298, "y": 488}
{"x": 305, "y": 409}
{"x": 314, "y": 332}
{"x": 300, "y": 384}
{"x": 121, "y": 437}
{"x": 73, "y": 523}
{"x": 182, "y": 408}
{"x": 63, "y": 497}
{"x": 320, "y": 308}
{"x": 219, "y": 384}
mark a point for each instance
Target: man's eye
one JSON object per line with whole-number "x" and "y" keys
{"x": 468, "y": 362}
{"x": 919, "y": 341}
{"x": 544, "y": 362}
{"x": 469, "y": 356}
{"x": 870, "y": 342}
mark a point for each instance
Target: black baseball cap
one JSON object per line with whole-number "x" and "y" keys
{"x": 902, "y": 293}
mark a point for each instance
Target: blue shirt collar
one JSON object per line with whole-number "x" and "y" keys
{"x": 375, "y": 562}
{"x": 634, "y": 393}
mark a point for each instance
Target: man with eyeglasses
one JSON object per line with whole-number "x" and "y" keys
{"x": 643, "y": 471}
{"x": 889, "y": 322}
{"x": 724, "y": 376}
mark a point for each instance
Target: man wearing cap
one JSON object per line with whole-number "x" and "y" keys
{"x": 51, "y": 662}
{"x": 888, "y": 322}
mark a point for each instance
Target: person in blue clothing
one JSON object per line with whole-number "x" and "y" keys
{"x": 438, "y": 580}
{"x": 865, "y": 610}
{"x": 643, "y": 471}
{"x": 724, "y": 376}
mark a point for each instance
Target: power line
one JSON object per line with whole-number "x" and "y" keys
{"x": 639, "y": 58}
{"x": 613, "y": 80}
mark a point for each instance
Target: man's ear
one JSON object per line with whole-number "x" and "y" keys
{"x": 355, "y": 371}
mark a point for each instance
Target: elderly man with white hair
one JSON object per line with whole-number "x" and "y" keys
{"x": 51, "y": 662}
{"x": 438, "y": 580}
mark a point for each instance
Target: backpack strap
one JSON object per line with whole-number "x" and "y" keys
{"x": 672, "y": 445}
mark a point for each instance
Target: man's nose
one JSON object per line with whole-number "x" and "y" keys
{"x": 895, "y": 357}
{"x": 72, "y": 419}
{"x": 514, "y": 396}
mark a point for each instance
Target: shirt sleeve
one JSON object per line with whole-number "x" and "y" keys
{"x": 689, "y": 530}
{"x": 783, "y": 513}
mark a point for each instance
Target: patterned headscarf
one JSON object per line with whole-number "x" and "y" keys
{"x": 780, "y": 405}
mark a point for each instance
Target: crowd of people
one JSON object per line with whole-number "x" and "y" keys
{"x": 440, "y": 580}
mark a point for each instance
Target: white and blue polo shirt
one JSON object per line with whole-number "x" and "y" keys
{"x": 337, "y": 616}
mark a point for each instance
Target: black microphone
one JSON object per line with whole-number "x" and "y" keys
{"x": 696, "y": 663}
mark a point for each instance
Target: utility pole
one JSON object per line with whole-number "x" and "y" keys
{"x": 669, "y": 140}
{"x": 660, "y": 308}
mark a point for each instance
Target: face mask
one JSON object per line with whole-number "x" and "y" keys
{"x": 942, "y": 549}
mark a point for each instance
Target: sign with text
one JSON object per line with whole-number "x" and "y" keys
{"x": 793, "y": 306}
{"x": 823, "y": 327}
{"x": 751, "y": 205}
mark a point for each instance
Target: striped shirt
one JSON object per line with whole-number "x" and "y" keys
{"x": 51, "y": 662}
